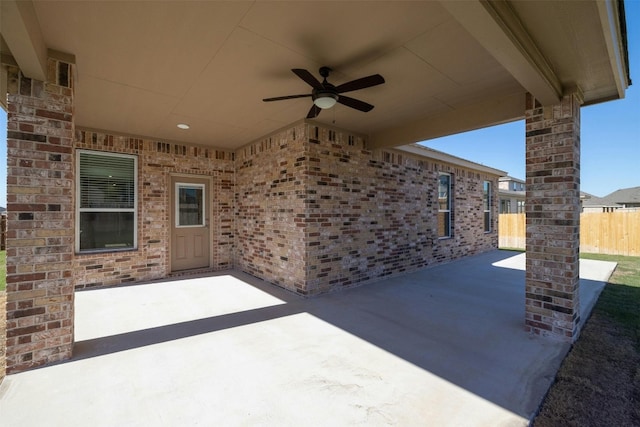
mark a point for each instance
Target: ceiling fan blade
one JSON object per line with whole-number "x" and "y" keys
{"x": 373, "y": 80}
{"x": 280, "y": 98}
{"x": 314, "y": 111}
{"x": 308, "y": 78}
{"x": 355, "y": 103}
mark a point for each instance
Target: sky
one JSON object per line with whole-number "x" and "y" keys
{"x": 609, "y": 135}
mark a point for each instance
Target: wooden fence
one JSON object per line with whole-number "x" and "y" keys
{"x": 511, "y": 231}
{"x": 612, "y": 233}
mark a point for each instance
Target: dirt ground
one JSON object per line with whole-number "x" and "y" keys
{"x": 599, "y": 382}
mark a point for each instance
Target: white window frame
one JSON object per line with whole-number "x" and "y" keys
{"x": 79, "y": 210}
{"x": 486, "y": 206}
{"x": 449, "y": 205}
{"x": 202, "y": 187}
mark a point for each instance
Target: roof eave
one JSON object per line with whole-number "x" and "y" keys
{"x": 430, "y": 153}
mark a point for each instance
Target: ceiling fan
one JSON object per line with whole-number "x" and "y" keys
{"x": 325, "y": 95}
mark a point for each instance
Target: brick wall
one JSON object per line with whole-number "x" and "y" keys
{"x": 318, "y": 212}
{"x": 311, "y": 208}
{"x": 40, "y": 218}
{"x": 271, "y": 203}
{"x": 157, "y": 161}
{"x": 377, "y": 213}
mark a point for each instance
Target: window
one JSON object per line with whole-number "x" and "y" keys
{"x": 106, "y": 217}
{"x": 444, "y": 205}
{"x": 190, "y": 206}
{"x": 486, "y": 203}
{"x": 505, "y": 206}
{"x": 520, "y": 206}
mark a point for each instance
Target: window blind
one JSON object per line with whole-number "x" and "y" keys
{"x": 107, "y": 182}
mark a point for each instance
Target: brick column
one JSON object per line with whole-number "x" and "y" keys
{"x": 40, "y": 241}
{"x": 553, "y": 217}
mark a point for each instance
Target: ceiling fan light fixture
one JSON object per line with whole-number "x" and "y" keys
{"x": 325, "y": 100}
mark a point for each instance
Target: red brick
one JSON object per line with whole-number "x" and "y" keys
{"x": 25, "y": 331}
{"x": 16, "y": 278}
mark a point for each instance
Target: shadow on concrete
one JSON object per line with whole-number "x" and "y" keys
{"x": 463, "y": 322}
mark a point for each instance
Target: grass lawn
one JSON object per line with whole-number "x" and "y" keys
{"x": 598, "y": 383}
{"x": 3, "y": 270}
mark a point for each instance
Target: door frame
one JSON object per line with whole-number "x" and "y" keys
{"x": 172, "y": 212}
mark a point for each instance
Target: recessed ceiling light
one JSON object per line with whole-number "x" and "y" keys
{"x": 183, "y": 126}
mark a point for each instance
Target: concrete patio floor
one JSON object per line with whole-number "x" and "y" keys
{"x": 444, "y": 346}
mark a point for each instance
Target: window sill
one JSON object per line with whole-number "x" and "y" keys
{"x": 106, "y": 251}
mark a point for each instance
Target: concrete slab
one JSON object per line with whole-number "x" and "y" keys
{"x": 443, "y": 346}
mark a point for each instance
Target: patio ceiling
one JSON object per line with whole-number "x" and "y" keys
{"x": 144, "y": 67}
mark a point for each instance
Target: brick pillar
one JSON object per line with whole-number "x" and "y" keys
{"x": 40, "y": 241}
{"x": 552, "y": 306}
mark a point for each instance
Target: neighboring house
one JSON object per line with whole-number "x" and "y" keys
{"x": 627, "y": 199}
{"x": 139, "y": 146}
{"x": 512, "y": 194}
